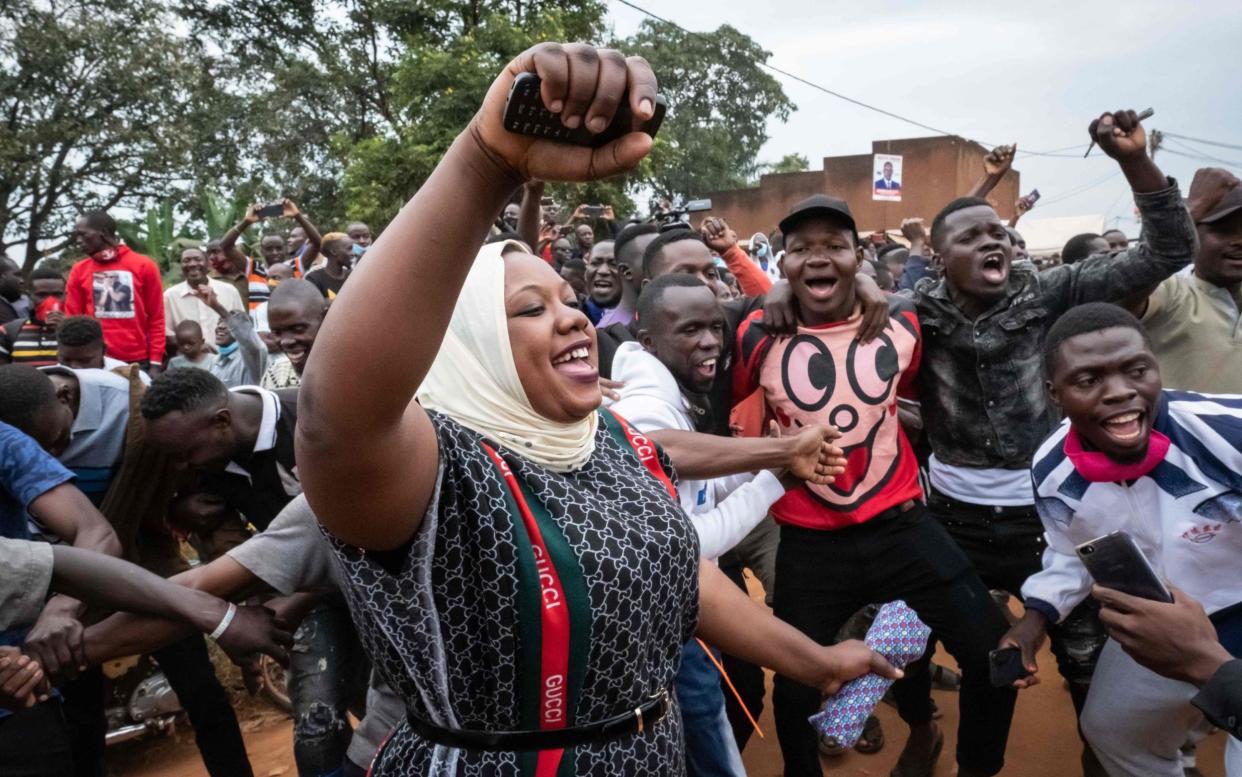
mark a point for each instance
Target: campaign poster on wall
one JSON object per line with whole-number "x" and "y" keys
{"x": 887, "y": 177}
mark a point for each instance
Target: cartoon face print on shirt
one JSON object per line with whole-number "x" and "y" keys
{"x": 826, "y": 376}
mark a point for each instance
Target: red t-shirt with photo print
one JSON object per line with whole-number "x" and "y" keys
{"x": 123, "y": 289}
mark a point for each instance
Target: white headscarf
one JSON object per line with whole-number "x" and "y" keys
{"x": 474, "y": 380}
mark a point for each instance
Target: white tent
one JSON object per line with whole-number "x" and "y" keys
{"x": 1048, "y": 235}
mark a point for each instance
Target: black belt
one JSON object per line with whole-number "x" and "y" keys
{"x": 991, "y": 512}
{"x": 637, "y": 720}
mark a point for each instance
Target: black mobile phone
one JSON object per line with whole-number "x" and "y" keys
{"x": 270, "y": 210}
{"x": 1005, "y": 666}
{"x": 593, "y": 210}
{"x": 1033, "y": 197}
{"x": 525, "y": 114}
{"x": 1116, "y": 561}
{"x": 547, "y": 202}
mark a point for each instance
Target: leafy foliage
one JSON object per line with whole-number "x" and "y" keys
{"x": 94, "y": 95}
{"x": 790, "y": 163}
{"x": 344, "y": 106}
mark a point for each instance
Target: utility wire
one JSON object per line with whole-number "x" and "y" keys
{"x": 1195, "y": 153}
{"x": 1081, "y": 189}
{"x": 1205, "y": 142}
{"x": 848, "y": 99}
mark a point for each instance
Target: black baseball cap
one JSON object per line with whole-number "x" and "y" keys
{"x": 818, "y": 205}
{"x": 1230, "y": 203}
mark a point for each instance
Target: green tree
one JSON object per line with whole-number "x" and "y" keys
{"x": 720, "y": 102}
{"x": 350, "y": 103}
{"x": 790, "y": 163}
{"x": 97, "y": 100}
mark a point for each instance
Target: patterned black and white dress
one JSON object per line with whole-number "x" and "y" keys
{"x": 458, "y": 624}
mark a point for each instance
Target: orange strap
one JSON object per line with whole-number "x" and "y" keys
{"x": 720, "y": 667}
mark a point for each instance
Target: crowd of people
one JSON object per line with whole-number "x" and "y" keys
{"x": 492, "y": 482}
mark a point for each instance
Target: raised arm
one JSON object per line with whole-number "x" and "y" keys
{"x": 721, "y": 238}
{"x": 1206, "y": 190}
{"x": 228, "y": 244}
{"x": 1169, "y": 239}
{"x": 531, "y": 214}
{"x": 995, "y": 165}
{"x": 358, "y": 423}
{"x": 292, "y": 211}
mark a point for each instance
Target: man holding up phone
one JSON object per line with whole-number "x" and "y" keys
{"x": 1164, "y": 467}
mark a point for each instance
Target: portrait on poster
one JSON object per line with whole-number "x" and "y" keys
{"x": 887, "y": 174}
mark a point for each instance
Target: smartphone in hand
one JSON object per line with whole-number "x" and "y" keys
{"x": 1116, "y": 561}
{"x": 525, "y": 114}
{"x": 1005, "y": 666}
{"x": 270, "y": 210}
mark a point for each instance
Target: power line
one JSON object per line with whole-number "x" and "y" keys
{"x": 848, "y": 99}
{"x": 1082, "y": 189}
{"x": 1195, "y": 153}
{"x": 1205, "y": 142}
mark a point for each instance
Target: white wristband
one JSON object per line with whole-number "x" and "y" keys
{"x": 224, "y": 622}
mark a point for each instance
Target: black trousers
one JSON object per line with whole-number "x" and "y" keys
{"x": 824, "y": 577}
{"x": 188, "y": 668}
{"x": 1006, "y": 546}
{"x": 35, "y": 742}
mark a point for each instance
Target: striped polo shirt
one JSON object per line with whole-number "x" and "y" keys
{"x": 25, "y": 342}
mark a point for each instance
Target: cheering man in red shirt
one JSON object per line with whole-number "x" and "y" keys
{"x": 866, "y": 538}
{"x": 119, "y": 287}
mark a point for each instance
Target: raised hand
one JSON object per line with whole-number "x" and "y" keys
{"x": 206, "y": 295}
{"x": 999, "y": 160}
{"x": 584, "y": 85}
{"x": 913, "y": 230}
{"x": 252, "y": 215}
{"x": 1210, "y": 184}
{"x": 1119, "y": 134}
{"x": 289, "y": 209}
{"x": 255, "y": 630}
{"x": 1022, "y": 205}
{"x": 718, "y": 235}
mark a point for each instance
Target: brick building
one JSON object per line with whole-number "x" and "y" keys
{"x": 935, "y": 171}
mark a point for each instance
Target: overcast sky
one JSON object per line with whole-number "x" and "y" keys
{"x": 1032, "y": 73}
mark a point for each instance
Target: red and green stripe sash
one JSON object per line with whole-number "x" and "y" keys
{"x": 554, "y": 623}
{"x": 643, "y": 448}
{"x": 554, "y": 611}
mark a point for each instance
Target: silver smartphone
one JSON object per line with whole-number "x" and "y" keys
{"x": 1116, "y": 561}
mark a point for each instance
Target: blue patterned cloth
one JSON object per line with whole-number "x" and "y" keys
{"x": 899, "y": 636}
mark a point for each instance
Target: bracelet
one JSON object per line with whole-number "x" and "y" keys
{"x": 224, "y": 622}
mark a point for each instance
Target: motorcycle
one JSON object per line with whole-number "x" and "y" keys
{"x": 140, "y": 701}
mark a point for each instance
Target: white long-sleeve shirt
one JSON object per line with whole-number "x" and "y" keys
{"x": 723, "y": 510}
{"x": 1185, "y": 515}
